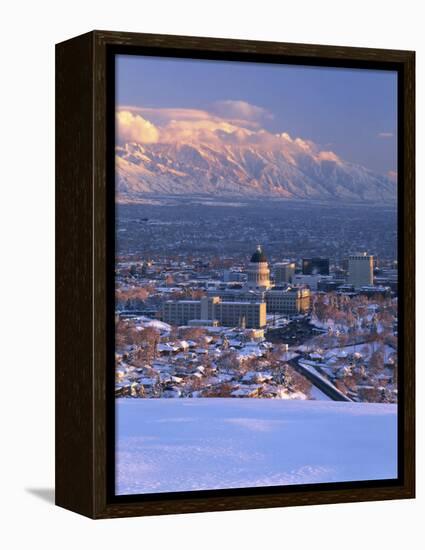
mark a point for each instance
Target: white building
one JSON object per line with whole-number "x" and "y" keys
{"x": 258, "y": 271}
{"x": 245, "y": 314}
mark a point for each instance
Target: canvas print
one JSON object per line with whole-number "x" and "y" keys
{"x": 256, "y": 271}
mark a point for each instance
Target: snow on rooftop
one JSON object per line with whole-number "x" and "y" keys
{"x": 359, "y": 350}
{"x": 154, "y": 323}
{"x": 157, "y": 324}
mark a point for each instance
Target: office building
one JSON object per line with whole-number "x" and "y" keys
{"x": 284, "y": 273}
{"x": 289, "y": 301}
{"x": 312, "y": 281}
{"x": 315, "y": 266}
{"x": 233, "y": 314}
{"x": 284, "y": 300}
{"x": 360, "y": 270}
{"x": 180, "y": 312}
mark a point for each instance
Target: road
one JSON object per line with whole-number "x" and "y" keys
{"x": 318, "y": 380}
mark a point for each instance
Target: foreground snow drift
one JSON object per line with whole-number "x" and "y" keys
{"x": 192, "y": 444}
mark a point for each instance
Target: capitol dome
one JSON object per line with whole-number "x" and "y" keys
{"x": 258, "y": 256}
{"x": 258, "y": 271}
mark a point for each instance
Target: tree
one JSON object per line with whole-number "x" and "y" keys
{"x": 169, "y": 281}
{"x": 148, "y": 341}
{"x": 220, "y": 390}
{"x": 365, "y": 350}
{"x": 132, "y": 297}
{"x": 196, "y": 294}
{"x": 376, "y": 363}
{"x": 192, "y": 333}
{"x": 342, "y": 340}
{"x": 320, "y": 308}
{"x": 339, "y": 384}
{"x": 395, "y": 370}
{"x": 228, "y": 361}
{"x": 174, "y": 332}
{"x": 120, "y": 334}
{"x": 126, "y": 335}
{"x": 295, "y": 381}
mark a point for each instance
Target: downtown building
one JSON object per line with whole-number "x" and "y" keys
{"x": 315, "y": 266}
{"x": 284, "y": 273}
{"x": 289, "y": 301}
{"x": 285, "y": 300}
{"x": 360, "y": 270}
{"x": 212, "y": 310}
{"x": 244, "y": 307}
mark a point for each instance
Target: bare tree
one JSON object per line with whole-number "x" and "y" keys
{"x": 376, "y": 363}
{"x": 295, "y": 381}
{"x": 148, "y": 341}
{"x": 192, "y": 333}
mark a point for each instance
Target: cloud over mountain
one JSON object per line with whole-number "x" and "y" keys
{"x": 134, "y": 128}
{"x": 240, "y": 110}
{"x": 149, "y": 125}
{"x": 228, "y": 151}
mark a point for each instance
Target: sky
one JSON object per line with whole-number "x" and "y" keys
{"x": 351, "y": 112}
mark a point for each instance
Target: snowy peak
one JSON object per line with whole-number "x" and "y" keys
{"x": 286, "y": 168}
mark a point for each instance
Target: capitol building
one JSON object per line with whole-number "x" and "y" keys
{"x": 245, "y": 305}
{"x": 258, "y": 271}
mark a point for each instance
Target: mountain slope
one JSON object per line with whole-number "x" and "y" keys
{"x": 291, "y": 171}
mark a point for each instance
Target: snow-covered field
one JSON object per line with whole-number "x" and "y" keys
{"x": 191, "y": 444}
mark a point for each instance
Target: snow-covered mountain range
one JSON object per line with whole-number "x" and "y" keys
{"x": 290, "y": 171}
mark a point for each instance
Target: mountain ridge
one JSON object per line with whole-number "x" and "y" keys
{"x": 290, "y": 171}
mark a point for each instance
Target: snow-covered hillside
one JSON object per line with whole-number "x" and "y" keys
{"x": 192, "y": 444}
{"x": 288, "y": 172}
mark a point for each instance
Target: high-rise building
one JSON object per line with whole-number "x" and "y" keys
{"x": 284, "y": 272}
{"x": 258, "y": 271}
{"x": 315, "y": 266}
{"x": 360, "y": 270}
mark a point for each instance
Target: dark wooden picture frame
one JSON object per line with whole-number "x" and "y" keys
{"x": 84, "y": 422}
